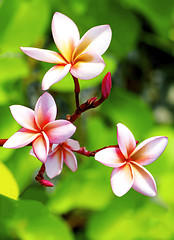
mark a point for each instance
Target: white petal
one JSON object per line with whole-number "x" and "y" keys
{"x": 126, "y": 140}
{"x": 70, "y": 159}
{"x": 121, "y": 180}
{"x": 88, "y": 65}
{"x": 96, "y": 40}
{"x": 66, "y": 34}
{"x": 111, "y": 157}
{"x": 54, "y": 163}
{"x": 41, "y": 147}
{"x": 21, "y": 138}
{"x": 143, "y": 180}
{"x": 72, "y": 144}
{"x": 54, "y": 75}
{"x": 44, "y": 55}
{"x": 149, "y": 150}
{"x": 45, "y": 110}
{"x": 32, "y": 153}
{"x": 24, "y": 116}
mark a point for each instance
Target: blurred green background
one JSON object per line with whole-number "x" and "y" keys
{"x": 141, "y": 59}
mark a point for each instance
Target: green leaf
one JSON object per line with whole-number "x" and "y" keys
{"x": 8, "y": 127}
{"x": 165, "y": 188}
{"x": 7, "y": 208}
{"x": 7, "y": 12}
{"x": 106, "y": 134}
{"x": 129, "y": 109}
{"x": 24, "y": 166}
{"x": 135, "y": 213}
{"x": 12, "y": 67}
{"x": 87, "y": 188}
{"x": 32, "y": 220}
{"x": 8, "y": 187}
{"x": 27, "y": 26}
{"x": 158, "y": 12}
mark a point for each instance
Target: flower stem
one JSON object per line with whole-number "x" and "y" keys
{"x": 76, "y": 90}
{"x": 87, "y": 153}
{"x": 40, "y": 178}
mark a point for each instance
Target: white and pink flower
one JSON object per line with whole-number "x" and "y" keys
{"x": 81, "y": 57}
{"x": 128, "y": 160}
{"x": 39, "y": 127}
{"x": 58, "y": 154}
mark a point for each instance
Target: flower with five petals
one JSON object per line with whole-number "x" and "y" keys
{"x": 81, "y": 57}
{"x": 127, "y": 161}
{"x": 39, "y": 127}
{"x": 58, "y": 154}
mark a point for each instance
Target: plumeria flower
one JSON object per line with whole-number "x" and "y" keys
{"x": 39, "y": 127}
{"x": 81, "y": 57}
{"x": 127, "y": 161}
{"x": 58, "y": 154}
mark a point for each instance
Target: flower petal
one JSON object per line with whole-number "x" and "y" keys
{"x": 70, "y": 159}
{"x": 45, "y": 110}
{"x": 126, "y": 140}
{"x": 121, "y": 180}
{"x": 111, "y": 157}
{"x": 65, "y": 33}
{"x": 72, "y": 144}
{"x": 96, "y": 39}
{"x": 59, "y": 131}
{"x": 24, "y": 116}
{"x": 32, "y": 153}
{"x": 21, "y": 138}
{"x": 44, "y": 55}
{"x": 149, "y": 150}
{"x": 54, "y": 163}
{"x": 88, "y": 65}
{"x": 54, "y": 75}
{"x": 41, "y": 147}
{"x": 143, "y": 180}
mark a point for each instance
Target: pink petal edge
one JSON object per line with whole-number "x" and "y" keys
{"x": 59, "y": 131}
{"x": 149, "y": 150}
{"x": 45, "y": 110}
{"x": 111, "y": 157}
{"x": 144, "y": 182}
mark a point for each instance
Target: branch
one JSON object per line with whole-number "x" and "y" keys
{"x": 87, "y": 153}
{"x": 92, "y": 102}
{"x": 76, "y": 90}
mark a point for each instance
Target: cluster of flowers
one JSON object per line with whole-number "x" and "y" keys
{"x": 50, "y": 138}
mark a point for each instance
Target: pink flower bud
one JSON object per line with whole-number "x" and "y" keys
{"x": 46, "y": 183}
{"x": 106, "y": 85}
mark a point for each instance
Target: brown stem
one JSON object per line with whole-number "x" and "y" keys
{"x": 87, "y": 153}
{"x": 40, "y": 173}
{"x": 40, "y": 178}
{"x": 76, "y": 90}
{"x": 90, "y": 103}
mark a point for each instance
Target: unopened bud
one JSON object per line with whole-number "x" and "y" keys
{"x": 106, "y": 85}
{"x": 91, "y": 100}
{"x": 46, "y": 183}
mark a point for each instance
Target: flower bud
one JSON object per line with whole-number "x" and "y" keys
{"x": 46, "y": 183}
{"x": 91, "y": 100}
{"x": 106, "y": 85}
